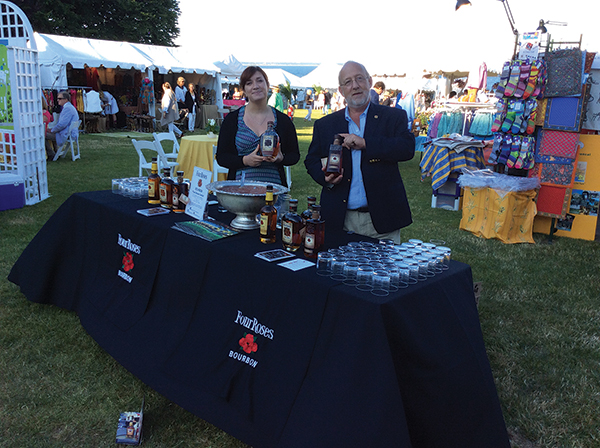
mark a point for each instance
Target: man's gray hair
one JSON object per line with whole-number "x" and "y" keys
{"x": 364, "y": 69}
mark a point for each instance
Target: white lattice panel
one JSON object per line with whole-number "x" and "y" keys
{"x": 22, "y": 144}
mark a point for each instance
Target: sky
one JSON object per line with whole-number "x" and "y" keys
{"x": 387, "y": 35}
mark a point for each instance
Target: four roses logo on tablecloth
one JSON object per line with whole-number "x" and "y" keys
{"x": 247, "y": 343}
{"x": 127, "y": 261}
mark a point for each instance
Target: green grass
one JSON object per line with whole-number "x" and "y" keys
{"x": 539, "y": 311}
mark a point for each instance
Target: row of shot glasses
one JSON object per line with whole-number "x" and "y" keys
{"x": 386, "y": 267}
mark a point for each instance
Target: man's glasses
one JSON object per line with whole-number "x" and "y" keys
{"x": 359, "y": 80}
{"x": 60, "y": 98}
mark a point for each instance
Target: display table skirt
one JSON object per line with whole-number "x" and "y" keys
{"x": 507, "y": 216}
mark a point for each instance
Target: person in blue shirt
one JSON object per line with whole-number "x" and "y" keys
{"x": 60, "y": 131}
{"x": 376, "y": 91}
{"x": 368, "y": 197}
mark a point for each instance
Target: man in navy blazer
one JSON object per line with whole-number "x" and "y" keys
{"x": 368, "y": 197}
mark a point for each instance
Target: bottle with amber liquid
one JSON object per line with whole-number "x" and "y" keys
{"x": 268, "y": 218}
{"x": 179, "y": 194}
{"x": 291, "y": 223}
{"x": 314, "y": 236}
{"x": 334, "y": 160}
{"x": 269, "y": 141}
{"x": 166, "y": 189}
{"x": 307, "y": 214}
{"x": 154, "y": 184}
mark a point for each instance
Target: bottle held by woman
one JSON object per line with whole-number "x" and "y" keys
{"x": 239, "y": 147}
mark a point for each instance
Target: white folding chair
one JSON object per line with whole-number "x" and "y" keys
{"x": 139, "y": 145}
{"x": 62, "y": 151}
{"x": 216, "y": 167}
{"x": 167, "y": 136}
{"x": 163, "y": 159}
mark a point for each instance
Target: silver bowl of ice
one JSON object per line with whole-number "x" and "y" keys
{"x": 243, "y": 200}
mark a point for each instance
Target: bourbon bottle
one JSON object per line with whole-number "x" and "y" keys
{"x": 269, "y": 141}
{"x": 154, "y": 184}
{"x": 268, "y": 218}
{"x": 291, "y": 224}
{"x": 314, "y": 237}
{"x": 307, "y": 214}
{"x": 180, "y": 192}
{"x": 166, "y": 189}
{"x": 334, "y": 160}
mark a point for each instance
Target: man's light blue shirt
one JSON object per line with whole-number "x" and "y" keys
{"x": 358, "y": 196}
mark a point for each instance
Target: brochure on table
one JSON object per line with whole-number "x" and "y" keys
{"x": 198, "y": 194}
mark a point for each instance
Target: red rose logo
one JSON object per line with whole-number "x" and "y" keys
{"x": 128, "y": 262}
{"x": 247, "y": 343}
{"x": 199, "y": 182}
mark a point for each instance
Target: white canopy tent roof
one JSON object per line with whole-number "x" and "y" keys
{"x": 230, "y": 67}
{"x": 55, "y": 52}
{"x": 279, "y": 76}
{"x": 325, "y": 75}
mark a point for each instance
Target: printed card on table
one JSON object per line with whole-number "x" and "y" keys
{"x": 198, "y": 194}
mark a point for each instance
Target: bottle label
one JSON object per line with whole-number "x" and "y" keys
{"x": 163, "y": 193}
{"x": 175, "y": 200}
{"x": 184, "y": 199}
{"x": 286, "y": 232}
{"x": 309, "y": 241}
{"x": 151, "y": 190}
{"x": 264, "y": 225}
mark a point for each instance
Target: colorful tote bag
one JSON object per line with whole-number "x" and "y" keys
{"x": 565, "y": 67}
{"x": 558, "y": 144}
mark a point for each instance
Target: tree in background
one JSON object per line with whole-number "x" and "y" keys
{"x": 139, "y": 21}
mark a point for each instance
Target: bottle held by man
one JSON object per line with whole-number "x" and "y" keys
{"x": 334, "y": 160}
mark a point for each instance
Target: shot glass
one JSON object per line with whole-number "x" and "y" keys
{"x": 337, "y": 268}
{"x": 364, "y": 277}
{"x": 447, "y": 256}
{"x": 116, "y": 183}
{"x": 351, "y": 272}
{"x": 381, "y": 283}
{"x": 324, "y": 260}
{"x": 413, "y": 268}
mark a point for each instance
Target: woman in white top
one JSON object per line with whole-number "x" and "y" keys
{"x": 110, "y": 108}
{"x": 170, "y": 110}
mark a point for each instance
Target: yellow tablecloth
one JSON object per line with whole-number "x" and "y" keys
{"x": 196, "y": 150}
{"x": 507, "y": 216}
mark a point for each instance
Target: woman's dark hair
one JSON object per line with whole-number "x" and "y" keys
{"x": 249, "y": 73}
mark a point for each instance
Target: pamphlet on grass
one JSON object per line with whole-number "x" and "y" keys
{"x": 274, "y": 255}
{"x": 208, "y": 229}
{"x": 154, "y": 211}
{"x": 129, "y": 429}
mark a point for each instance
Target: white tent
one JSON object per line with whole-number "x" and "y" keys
{"x": 230, "y": 66}
{"x": 325, "y": 75}
{"x": 279, "y": 76}
{"x": 55, "y": 52}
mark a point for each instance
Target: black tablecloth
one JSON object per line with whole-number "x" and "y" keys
{"x": 331, "y": 366}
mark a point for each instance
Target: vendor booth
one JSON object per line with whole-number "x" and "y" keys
{"x": 132, "y": 73}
